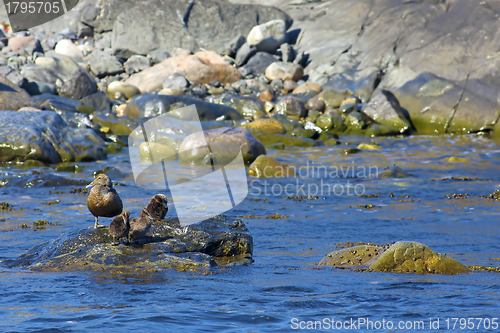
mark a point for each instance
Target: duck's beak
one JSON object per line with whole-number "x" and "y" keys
{"x": 91, "y": 184}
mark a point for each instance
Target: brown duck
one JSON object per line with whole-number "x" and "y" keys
{"x": 157, "y": 207}
{"x": 103, "y": 201}
{"x": 120, "y": 226}
{"x": 140, "y": 226}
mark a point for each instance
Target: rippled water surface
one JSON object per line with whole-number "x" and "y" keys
{"x": 283, "y": 283}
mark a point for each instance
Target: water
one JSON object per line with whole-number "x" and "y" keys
{"x": 283, "y": 283}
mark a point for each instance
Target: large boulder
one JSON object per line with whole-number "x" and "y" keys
{"x": 269, "y": 36}
{"x": 384, "y": 108}
{"x": 401, "y": 257}
{"x": 250, "y": 146}
{"x": 12, "y": 97}
{"x": 44, "y": 136}
{"x": 150, "y": 105}
{"x": 140, "y": 26}
{"x": 202, "y": 67}
{"x": 215, "y": 241}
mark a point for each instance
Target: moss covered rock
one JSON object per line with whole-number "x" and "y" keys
{"x": 267, "y": 167}
{"x": 287, "y": 140}
{"x": 267, "y": 126}
{"x": 413, "y": 257}
{"x": 216, "y": 241}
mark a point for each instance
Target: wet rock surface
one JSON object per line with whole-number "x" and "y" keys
{"x": 213, "y": 242}
{"x": 47, "y": 138}
{"x": 401, "y": 257}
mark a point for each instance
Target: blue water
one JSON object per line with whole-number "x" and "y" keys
{"x": 283, "y": 286}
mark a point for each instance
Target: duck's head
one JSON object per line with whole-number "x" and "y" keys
{"x": 101, "y": 179}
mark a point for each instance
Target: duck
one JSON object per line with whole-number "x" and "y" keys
{"x": 140, "y": 226}
{"x": 120, "y": 226}
{"x": 157, "y": 207}
{"x": 103, "y": 201}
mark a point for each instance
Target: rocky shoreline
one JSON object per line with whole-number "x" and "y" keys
{"x": 299, "y": 74}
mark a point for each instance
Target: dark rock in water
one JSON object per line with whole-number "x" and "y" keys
{"x": 245, "y": 52}
{"x": 131, "y": 34}
{"x": 98, "y": 101}
{"x": 291, "y": 106}
{"x": 116, "y": 125}
{"x": 394, "y": 172}
{"x": 78, "y": 85}
{"x": 250, "y": 146}
{"x": 44, "y": 136}
{"x": 216, "y": 241}
{"x": 258, "y": 63}
{"x": 384, "y": 108}
{"x": 149, "y": 105}
{"x": 12, "y": 97}
{"x": 355, "y": 120}
{"x": 40, "y": 180}
{"x": 137, "y": 63}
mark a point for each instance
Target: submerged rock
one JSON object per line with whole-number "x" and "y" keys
{"x": 401, "y": 257}
{"x": 44, "y": 136}
{"x": 267, "y": 167}
{"x": 216, "y": 241}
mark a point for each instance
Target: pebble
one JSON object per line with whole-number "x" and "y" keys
{"x": 268, "y": 36}
{"x": 284, "y": 71}
{"x": 266, "y": 96}
{"x": 18, "y": 42}
{"x": 126, "y": 89}
{"x": 67, "y": 48}
{"x": 304, "y": 87}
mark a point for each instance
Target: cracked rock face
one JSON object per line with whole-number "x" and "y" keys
{"x": 216, "y": 241}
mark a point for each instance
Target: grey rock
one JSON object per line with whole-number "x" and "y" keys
{"x": 99, "y": 101}
{"x": 249, "y": 145}
{"x": 384, "y": 108}
{"x": 277, "y": 84}
{"x": 12, "y": 97}
{"x": 137, "y": 63}
{"x": 78, "y": 85}
{"x": 268, "y": 36}
{"x": 158, "y": 55}
{"x": 104, "y": 42}
{"x": 53, "y": 40}
{"x": 258, "y": 63}
{"x": 291, "y": 106}
{"x": 103, "y": 65}
{"x": 244, "y": 54}
{"x": 287, "y": 53}
{"x": 44, "y": 136}
{"x": 38, "y": 88}
{"x": 67, "y": 33}
{"x": 234, "y": 45}
{"x": 33, "y": 46}
{"x": 66, "y": 108}
{"x": 15, "y": 77}
{"x": 149, "y": 105}
{"x": 84, "y": 30}
{"x": 355, "y": 120}
{"x": 61, "y": 69}
{"x": 175, "y": 81}
{"x": 140, "y": 29}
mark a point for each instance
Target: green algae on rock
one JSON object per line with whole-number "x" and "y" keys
{"x": 413, "y": 257}
{"x": 401, "y": 257}
{"x": 216, "y": 241}
{"x": 267, "y": 167}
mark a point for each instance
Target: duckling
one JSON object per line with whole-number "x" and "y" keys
{"x": 103, "y": 201}
{"x": 157, "y": 207}
{"x": 120, "y": 227}
{"x": 140, "y": 226}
